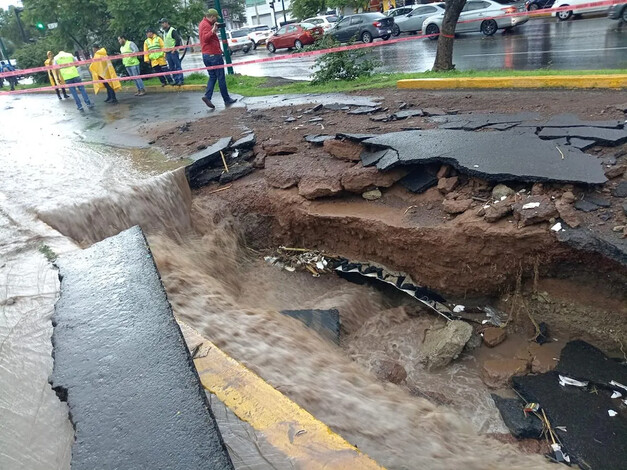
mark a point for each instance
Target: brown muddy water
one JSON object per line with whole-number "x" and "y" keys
{"x": 224, "y": 289}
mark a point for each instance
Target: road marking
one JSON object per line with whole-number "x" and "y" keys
{"x": 307, "y": 441}
{"x": 545, "y": 51}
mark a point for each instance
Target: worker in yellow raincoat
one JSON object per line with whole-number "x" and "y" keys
{"x": 55, "y": 78}
{"x": 153, "y": 47}
{"x": 103, "y": 70}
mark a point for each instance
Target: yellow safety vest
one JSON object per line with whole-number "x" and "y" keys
{"x": 128, "y": 61}
{"x": 66, "y": 72}
{"x": 153, "y": 44}
{"x": 168, "y": 40}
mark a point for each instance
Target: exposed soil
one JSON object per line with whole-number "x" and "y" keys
{"x": 303, "y": 196}
{"x": 461, "y": 256}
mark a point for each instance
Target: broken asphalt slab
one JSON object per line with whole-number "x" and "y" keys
{"x": 600, "y": 135}
{"x": 318, "y": 139}
{"x": 593, "y": 438}
{"x": 584, "y": 239}
{"x": 571, "y": 120}
{"x": 325, "y": 322}
{"x": 582, "y": 361}
{"x": 522, "y": 425}
{"x": 420, "y": 179}
{"x": 203, "y": 160}
{"x": 122, "y": 365}
{"x": 495, "y": 156}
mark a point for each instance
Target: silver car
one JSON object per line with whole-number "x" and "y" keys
{"x": 412, "y": 21}
{"x": 479, "y": 16}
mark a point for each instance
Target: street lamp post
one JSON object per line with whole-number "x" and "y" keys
{"x": 225, "y": 42}
{"x": 284, "y": 15}
{"x": 19, "y": 22}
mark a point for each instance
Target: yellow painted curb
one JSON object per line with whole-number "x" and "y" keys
{"x": 541, "y": 81}
{"x": 308, "y": 442}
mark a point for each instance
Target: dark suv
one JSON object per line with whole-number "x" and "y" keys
{"x": 363, "y": 27}
{"x": 618, "y": 12}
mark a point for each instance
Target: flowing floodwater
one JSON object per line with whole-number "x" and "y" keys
{"x": 221, "y": 288}
{"x": 225, "y": 291}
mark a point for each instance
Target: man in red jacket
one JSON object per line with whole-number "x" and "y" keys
{"x": 212, "y": 55}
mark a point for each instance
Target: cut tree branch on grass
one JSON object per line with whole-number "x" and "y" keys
{"x": 444, "y": 54}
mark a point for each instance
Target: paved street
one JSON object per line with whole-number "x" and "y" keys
{"x": 590, "y": 43}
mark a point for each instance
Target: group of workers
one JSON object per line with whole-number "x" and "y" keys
{"x": 161, "y": 62}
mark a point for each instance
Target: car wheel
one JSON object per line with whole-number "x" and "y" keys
{"x": 366, "y": 37}
{"x": 533, "y": 7}
{"x": 298, "y": 44}
{"x": 396, "y": 31}
{"x": 271, "y": 48}
{"x": 431, "y": 30}
{"x": 386, "y": 37}
{"x": 624, "y": 16}
{"x": 489, "y": 27}
{"x": 564, "y": 15}
{"x": 246, "y": 50}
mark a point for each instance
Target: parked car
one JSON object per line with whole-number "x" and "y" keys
{"x": 325, "y": 21}
{"x": 259, "y": 35}
{"x": 471, "y": 18}
{"x": 364, "y": 27}
{"x": 238, "y": 41}
{"x": 532, "y": 5}
{"x": 412, "y": 22}
{"x": 566, "y": 14}
{"x": 294, "y": 36}
{"x": 618, "y": 12}
{"x": 394, "y": 12}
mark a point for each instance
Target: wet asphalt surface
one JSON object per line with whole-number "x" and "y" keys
{"x": 588, "y": 43}
{"x": 55, "y": 157}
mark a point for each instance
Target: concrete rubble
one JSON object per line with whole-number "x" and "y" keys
{"x": 445, "y": 344}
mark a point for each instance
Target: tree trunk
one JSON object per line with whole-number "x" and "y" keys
{"x": 444, "y": 54}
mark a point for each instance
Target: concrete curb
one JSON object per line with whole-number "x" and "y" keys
{"x": 121, "y": 364}
{"x": 308, "y": 442}
{"x": 613, "y": 81}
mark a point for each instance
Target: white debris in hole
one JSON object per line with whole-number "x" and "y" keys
{"x": 616, "y": 384}
{"x": 612, "y": 413}
{"x": 616, "y": 394}
{"x": 458, "y": 308}
{"x": 557, "y": 227}
{"x": 531, "y": 205}
{"x": 503, "y": 198}
{"x": 575, "y": 383}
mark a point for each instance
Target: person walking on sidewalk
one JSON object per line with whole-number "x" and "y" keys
{"x": 212, "y": 55}
{"x": 70, "y": 75}
{"x": 172, "y": 38}
{"x": 55, "y": 77}
{"x": 156, "y": 57}
{"x": 132, "y": 63}
{"x": 103, "y": 70}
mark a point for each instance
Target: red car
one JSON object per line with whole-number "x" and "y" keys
{"x": 294, "y": 36}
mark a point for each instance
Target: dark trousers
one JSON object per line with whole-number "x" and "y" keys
{"x": 110, "y": 92}
{"x": 215, "y": 75}
{"x": 164, "y": 79}
{"x": 174, "y": 63}
{"x": 59, "y": 90}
